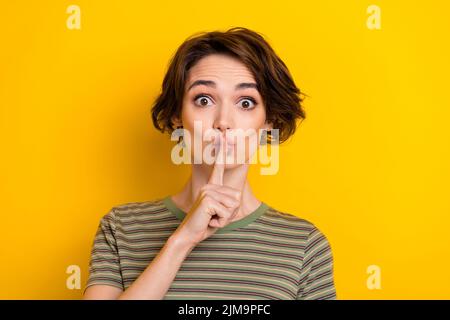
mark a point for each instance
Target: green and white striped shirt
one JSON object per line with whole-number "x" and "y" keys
{"x": 266, "y": 255}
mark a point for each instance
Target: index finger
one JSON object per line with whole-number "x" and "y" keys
{"x": 219, "y": 163}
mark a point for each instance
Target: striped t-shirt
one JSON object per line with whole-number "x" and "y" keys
{"x": 266, "y": 255}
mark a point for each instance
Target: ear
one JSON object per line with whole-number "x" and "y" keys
{"x": 267, "y": 125}
{"x": 176, "y": 122}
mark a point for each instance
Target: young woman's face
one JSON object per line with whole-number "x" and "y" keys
{"x": 221, "y": 94}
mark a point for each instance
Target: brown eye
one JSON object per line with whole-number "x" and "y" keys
{"x": 248, "y": 103}
{"x": 202, "y": 101}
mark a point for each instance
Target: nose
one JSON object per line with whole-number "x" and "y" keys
{"x": 222, "y": 128}
{"x": 222, "y": 121}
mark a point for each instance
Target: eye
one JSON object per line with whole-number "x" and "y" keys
{"x": 248, "y": 103}
{"x": 202, "y": 100}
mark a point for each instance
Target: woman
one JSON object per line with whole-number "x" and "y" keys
{"x": 214, "y": 239}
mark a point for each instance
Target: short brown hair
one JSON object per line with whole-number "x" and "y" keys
{"x": 281, "y": 96}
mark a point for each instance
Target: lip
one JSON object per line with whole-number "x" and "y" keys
{"x": 229, "y": 143}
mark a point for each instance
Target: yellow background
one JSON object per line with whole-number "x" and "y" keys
{"x": 369, "y": 166}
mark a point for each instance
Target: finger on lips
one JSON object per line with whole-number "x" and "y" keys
{"x": 232, "y": 192}
{"x": 219, "y": 163}
{"x": 230, "y": 197}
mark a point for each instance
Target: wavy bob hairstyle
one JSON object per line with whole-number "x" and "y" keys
{"x": 282, "y": 98}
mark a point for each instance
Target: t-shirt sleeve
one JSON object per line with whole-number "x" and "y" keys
{"x": 104, "y": 264}
{"x": 317, "y": 276}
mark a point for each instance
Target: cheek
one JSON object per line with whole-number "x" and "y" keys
{"x": 254, "y": 122}
{"x": 253, "y": 118}
{"x": 191, "y": 114}
{"x": 245, "y": 145}
{"x": 251, "y": 145}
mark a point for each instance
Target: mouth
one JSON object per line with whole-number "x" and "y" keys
{"x": 229, "y": 148}
{"x": 229, "y": 143}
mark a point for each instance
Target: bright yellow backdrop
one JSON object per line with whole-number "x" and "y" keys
{"x": 369, "y": 166}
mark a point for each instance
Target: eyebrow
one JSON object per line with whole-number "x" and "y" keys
{"x": 209, "y": 83}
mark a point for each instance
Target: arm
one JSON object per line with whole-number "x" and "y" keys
{"x": 105, "y": 275}
{"x": 317, "y": 277}
{"x": 156, "y": 279}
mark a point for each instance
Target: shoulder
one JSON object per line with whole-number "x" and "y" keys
{"x": 307, "y": 229}
{"x": 280, "y": 218}
{"x": 134, "y": 210}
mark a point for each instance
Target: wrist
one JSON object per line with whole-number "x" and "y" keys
{"x": 180, "y": 242}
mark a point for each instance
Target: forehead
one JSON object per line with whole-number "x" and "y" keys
{"x": 220, "y": 68}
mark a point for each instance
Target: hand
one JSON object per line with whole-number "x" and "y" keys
{"x": 215, "y": 206}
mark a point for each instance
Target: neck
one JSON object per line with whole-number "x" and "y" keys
{"x": 233, "y": 177}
